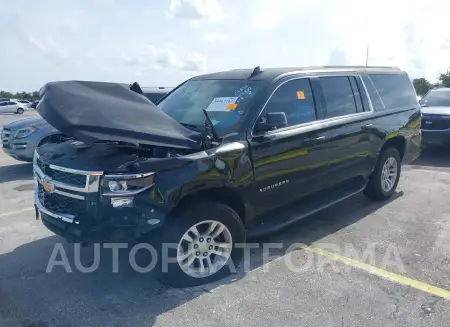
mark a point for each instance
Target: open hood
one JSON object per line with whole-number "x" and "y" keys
{"x": 100, "y": 111}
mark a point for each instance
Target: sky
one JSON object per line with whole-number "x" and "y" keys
{"x": 164, "y": 42}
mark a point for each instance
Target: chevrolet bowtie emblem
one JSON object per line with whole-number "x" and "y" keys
{"x": 47, "y": 185}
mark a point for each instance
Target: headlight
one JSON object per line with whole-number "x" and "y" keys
{"x": 127, "y": 184}
{"x": 24, "y": 132}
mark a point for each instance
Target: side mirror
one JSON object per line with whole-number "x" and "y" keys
{"x": 272, "y": 120}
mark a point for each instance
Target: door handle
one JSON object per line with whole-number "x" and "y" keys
{"x": 318, "y": 138}
{"x": 366, "y": 127}
{"x": 315, "y": 140}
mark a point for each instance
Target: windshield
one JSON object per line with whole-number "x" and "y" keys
{"x": 437, "y": 99}
{"x": 224, "y": 100}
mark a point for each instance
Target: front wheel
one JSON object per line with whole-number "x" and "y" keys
{"x": 20, "y": 111}
{"x": 203, "y": 244}
{"x": 384, "y": 179}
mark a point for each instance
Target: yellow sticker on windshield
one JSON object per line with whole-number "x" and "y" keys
{"x": 300, "y": 95}
{"x": 231, "y": 106}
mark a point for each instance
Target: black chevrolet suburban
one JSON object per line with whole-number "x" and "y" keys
{"x": 224, "y": 157}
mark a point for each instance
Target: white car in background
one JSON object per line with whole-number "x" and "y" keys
{"x": 12, "y": 106}
{"x": 26, "y": 103}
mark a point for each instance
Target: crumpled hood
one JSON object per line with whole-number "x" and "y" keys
{"x": 436, "y": 110}
{"x": 101, "y": 111}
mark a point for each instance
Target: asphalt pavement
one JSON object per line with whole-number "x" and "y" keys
{"x": 358, "y": 263}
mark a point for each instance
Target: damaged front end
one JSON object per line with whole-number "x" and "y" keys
{"x": 116, "y": 203}
{"x": 92, "y": 188}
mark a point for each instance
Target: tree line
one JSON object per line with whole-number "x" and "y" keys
{"x": 30, "y": 96}
{"x": 422, "y": 86}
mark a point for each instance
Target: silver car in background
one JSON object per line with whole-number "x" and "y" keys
{"x": 12, "y": 106}
{"x": 20, "y": 138}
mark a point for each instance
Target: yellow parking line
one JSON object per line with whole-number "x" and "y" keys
{"x": 382, "y": 273}
{"x": 8, "y": 213}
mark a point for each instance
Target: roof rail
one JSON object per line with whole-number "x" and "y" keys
{"x": 384, "y": 67}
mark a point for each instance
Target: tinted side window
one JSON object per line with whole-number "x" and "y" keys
{"x": 295, "y": 99}
{"x": 395, "y": 90}
{"x": 377, "y": 103}
{"x": 338, "y": 96}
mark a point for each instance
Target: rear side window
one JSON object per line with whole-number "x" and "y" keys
{"x": 338, "y": 95}
{"x": 394, "y": 90}
{"x": 356, "y": 94}
{"x": 295, "y": 99}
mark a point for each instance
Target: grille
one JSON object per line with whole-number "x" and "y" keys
{"x": 59, "y": 203}
{"x": 5, "y": 135}
{"x": 76, "y": 180}
{"x": 69, "y": 178}
{"x": 42, "y": 165}
{"x": 435, "y": 124}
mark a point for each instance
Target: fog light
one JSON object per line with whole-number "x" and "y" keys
{"x": 121, "y": 202}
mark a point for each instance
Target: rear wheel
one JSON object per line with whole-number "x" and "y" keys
{"x": 384, "y": 179}
{"x": 20, "y": 111}
{"x": 201, "y": 245}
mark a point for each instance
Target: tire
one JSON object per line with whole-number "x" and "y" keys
{"x": 19, "y": 111}
{"x": 374, "y": 189}
{"x": 171, "y": 273}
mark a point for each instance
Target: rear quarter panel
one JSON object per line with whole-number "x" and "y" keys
{"x": 405, "y": 124}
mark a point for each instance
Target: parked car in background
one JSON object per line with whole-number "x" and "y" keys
{"x": 25, "y": 103}
{"x": 11, "y": 106}
{"x": 34, "y": 104}
{"x": 436, "y": 118}
{"x": 20, "y": 138}
{"x": 155, "y": 94}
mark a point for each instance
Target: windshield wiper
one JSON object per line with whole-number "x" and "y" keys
{"x": 210, "y": 134}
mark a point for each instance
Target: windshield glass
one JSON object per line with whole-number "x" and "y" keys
{"x": 224, "y": 100}
{"x": 437, "y": 99}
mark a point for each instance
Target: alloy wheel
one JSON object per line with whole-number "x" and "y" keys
{"x": 204, "y": 249}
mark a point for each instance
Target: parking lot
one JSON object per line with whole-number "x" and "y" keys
{"x": 407, "y": 282}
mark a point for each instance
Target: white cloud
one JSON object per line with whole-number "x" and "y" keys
{"x": 215, "y": 37}
{"x": 173, "y": 56}
{"x": 267, "y": 14}
{"x": 196, "y": 10}
{"x": 96, "y": 39}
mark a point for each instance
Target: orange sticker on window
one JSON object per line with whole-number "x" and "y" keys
{"x": 231, "y": 106}
{"x": 300, "y": 95}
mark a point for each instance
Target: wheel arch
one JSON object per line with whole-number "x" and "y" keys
{"x": 225, "y": 195}
{"x": 398, "y": 142}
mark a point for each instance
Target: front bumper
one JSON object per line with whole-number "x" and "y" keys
{"x": 436, "y": 138}
{"x": 19, "y": 149}
{"x": 80, "y": 213}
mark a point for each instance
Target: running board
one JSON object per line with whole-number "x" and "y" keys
{"x": 308, "y": 206}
